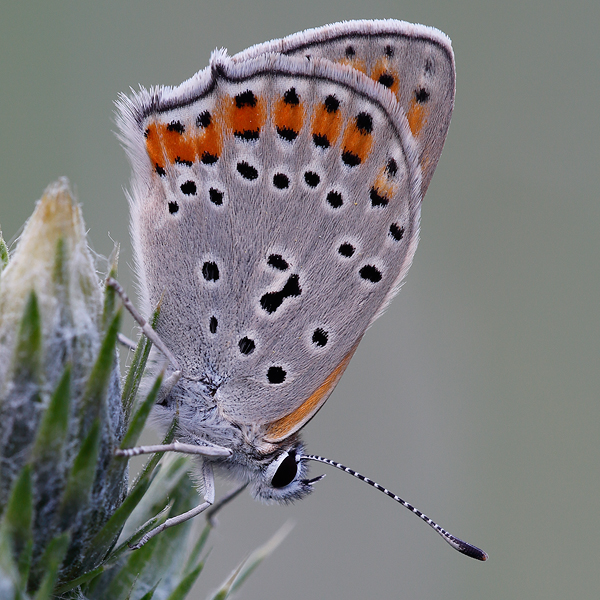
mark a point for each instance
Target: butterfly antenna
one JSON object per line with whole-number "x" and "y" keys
{"x": 456, "y": 543}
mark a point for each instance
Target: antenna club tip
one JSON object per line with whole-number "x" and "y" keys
{"x": 476, "y": 553}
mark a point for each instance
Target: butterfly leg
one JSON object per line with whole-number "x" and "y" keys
{"x": 173, "y": 378}
{"x": 208, "y": 486}
{"x": 146, "y": 329}
{"x": 215, "y": 508}
{"x": 212, "y": 451}
{"x": 125, "y": 341}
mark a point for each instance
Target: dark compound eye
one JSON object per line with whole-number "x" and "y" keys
{"x": 286, "y": 472}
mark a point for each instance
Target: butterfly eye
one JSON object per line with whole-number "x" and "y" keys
{"x": 286, "y": 471}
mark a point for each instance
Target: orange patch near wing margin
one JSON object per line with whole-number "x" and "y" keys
{"x": 289, "y": 117}
{"x": 282, "y": 428}
{"x": 248, "y": 117}
{"x": 154, "y": 147}
{"x": 417, "y": 117}
{"x": 357, "y": 142}
{"x": 327, "y": 124}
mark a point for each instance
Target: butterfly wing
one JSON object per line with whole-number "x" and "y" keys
{"x": 415, "y": 62}
{"x": 275, "y": 209}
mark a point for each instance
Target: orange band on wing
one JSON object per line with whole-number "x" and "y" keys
{"x": 246, "y": 115}
{"x": 154, "y": 147}
{"x": 284, "y": 427}
{"x": 209, "y": 143}
{"x": 289, "y": 116}
{"x": 327, "y": 124}
{"x": 417, "y": 117}
{"x": 358, "y": 140}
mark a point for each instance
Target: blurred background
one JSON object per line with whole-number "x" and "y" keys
{"x": 475, "y": 396}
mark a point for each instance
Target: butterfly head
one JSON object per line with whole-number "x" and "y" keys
{"x": 282, "y": 477}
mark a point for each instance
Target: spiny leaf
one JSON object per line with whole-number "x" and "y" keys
{"x": 110, "y": 294}
{"x": 193, "y": 562}
{"x": 16, "y": 522}
{"x": 61, "y": 273}
{"x": 186, "y": 584}
{"x": 28, "y": 352}
{"x": 155, "y": 459}
{"x": 10, "y": 586}
{"x": 81, "y": 478}
{"x": 139, "y": 418}
{"x": 168, "y": 549}
{"x": 244, "y": 570}
{"x": 136, "y": 369}
{"x": 93, "y": 400}
{"x": 149, "y": 595}
{"x": 53, "y": 428}
{"x": 106, "y": 536}
{"x": 3, "y": 253}
{"x": 51, "y": 561}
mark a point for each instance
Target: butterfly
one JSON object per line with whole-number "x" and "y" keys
{"x": 275, "y": 205}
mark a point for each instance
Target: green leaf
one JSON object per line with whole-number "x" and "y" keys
{"x": 186, "y": 584}
{"x": 61, "y": 273}
{"x": 197, "y": 550}
{"x": 105, "y": 538}
{"x": 16, "y": 523}
{"x": 149, "y": 595}
{"x": 162, "y": 558}
{"x": 28, "y": 351}
{"x": 237, "y": 578}
{"x": 164, "y": 490}
{"x": 10, "y": 588}
{"x": 139, "y": 418}
{"x": 93, "y": 400}
{"x": 110, "y": 294}
{"x": 51, "y": 561}
{"x": 3, "y": 253}
{"x": 52, "y": 432}
{"x": 81, "y": 478}
{"x": 155, "y": 459}
{"x": 136, "y": 369}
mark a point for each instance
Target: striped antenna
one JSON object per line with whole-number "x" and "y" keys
{"x": 456, "y": 543}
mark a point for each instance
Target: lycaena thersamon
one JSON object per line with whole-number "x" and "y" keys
{"x": 275, "y": 205}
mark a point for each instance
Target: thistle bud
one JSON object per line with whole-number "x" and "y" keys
{"x": 60, "y": 404}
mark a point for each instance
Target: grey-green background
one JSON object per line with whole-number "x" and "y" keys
{"x": 476, "y": 395}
